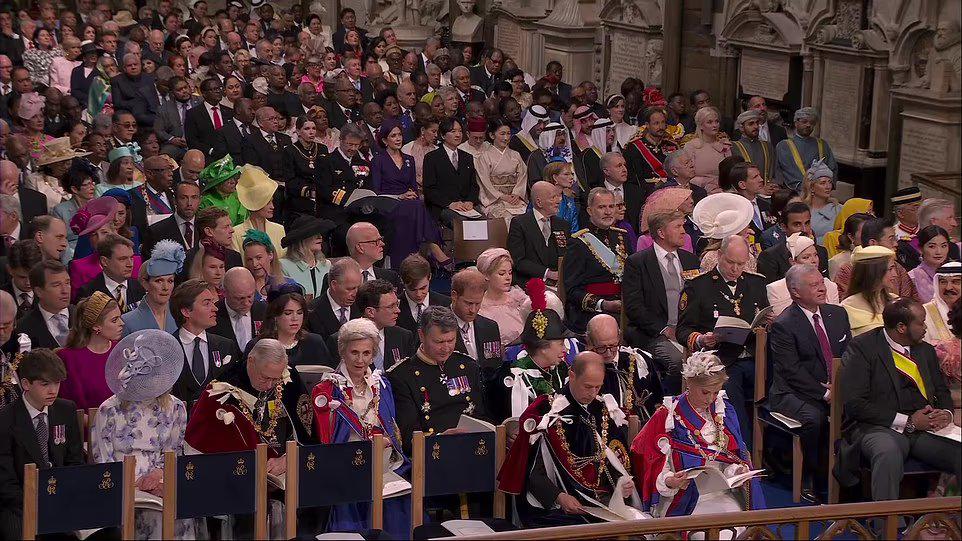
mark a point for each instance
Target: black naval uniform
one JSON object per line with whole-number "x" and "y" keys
{"x": 640, "y": 171}
{"x": 586, "y": 279}
{"x": 335, "y": 188}
{"x": 431, "y": 398}
{"x": 702, "y": 301}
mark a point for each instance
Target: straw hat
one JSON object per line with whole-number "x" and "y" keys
{"x": 722, "y": 215}
{"x": 663, "y": 200}
{"x": 94, "y": 215}
{"x": 254, "y": 188}
{"x": 144, "y": 365}
{"x": 58, "y": 150}
{"x": 123, "y": 18}
{"x": 869, "y": 253}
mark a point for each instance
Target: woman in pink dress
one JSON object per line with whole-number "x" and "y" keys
{"x": 97, "y": 326}
{"x": 502, "y": 302}
{"x": 91, "y": 222}
{"x": 708, "y": 148}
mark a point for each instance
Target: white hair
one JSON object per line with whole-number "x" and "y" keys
{"x": 931, "y": 208}
{"x": 358, "y": 329}
{"x": 797, "y": 273}
{"x": 268, "y": 350}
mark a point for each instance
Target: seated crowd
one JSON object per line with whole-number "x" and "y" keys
{"x": 200, "y": 215}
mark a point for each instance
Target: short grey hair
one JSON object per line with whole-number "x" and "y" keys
{"x": 102, "y": 121}
{"x": 10, "y": 205}
{"x": 103, "y": 61}
{"x": 931, "y": 208}
{"x": 608, "y": 158}
{"x": 268, "y": 350}
{"x": 438, "y": 316}
{"x": 595, "y": 192}
{"x": 8, "y": 306}
{"x": 131, "y": 56}
{"x": 727, "y": 242}
{"x": 457, "y": 70}
{"x": 448, "y": 89}
{"x": 672, "y": 159}
{"x": 797, "y": 273}
{"x": 358, "y": 329}
{"x": 340, "y": 267}
{"x": 432, "y": 68}
{"x": 352, "y": 130}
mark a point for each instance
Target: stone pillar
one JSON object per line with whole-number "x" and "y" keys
{"x": 568, "y": 40}
{"x": 808, "y": 79}
{"x": 816, "y": 81}
{"x": 878, "y": 137}
{"x": 671, "y": 54}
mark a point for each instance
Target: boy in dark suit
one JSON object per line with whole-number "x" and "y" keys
{"x": 416, "y": 295}
{"x": 39, "y": 428}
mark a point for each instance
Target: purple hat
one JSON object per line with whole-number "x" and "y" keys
{"x": 386, "y": 126}
{"x": 94, "y": 215}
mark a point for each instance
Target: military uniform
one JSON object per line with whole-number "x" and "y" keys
{"x": 646, "y": 161}
{"x": 345, "y": 177}
{"x": 588, "y": 278}
{"x": 703, "y": 300}
{"x": 431, "y": 398}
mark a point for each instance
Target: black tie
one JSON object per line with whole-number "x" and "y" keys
{"x": 367, "y": 275}
{"x": 731, "y": 283}
{"x": 314, "y": 280}
{"x": 24, "y": 303}
{"x": 197, "y": 362}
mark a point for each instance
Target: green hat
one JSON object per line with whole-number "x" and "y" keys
{"x": 218, "y": 172}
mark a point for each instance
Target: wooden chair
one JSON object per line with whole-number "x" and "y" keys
{"x": 358, "y": 475}
{"x": 469, "y": 250}
{"x": 562, "y": 294}
{"x": 458, "y": 464}
{"x": 763, "y": 417}
{"x": 834, "y": 431}
{"x": 215, "y": 484}
{"x": 59, "y": 500}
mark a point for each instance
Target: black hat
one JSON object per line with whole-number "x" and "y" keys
{"x": 90, "y": 47}
{"x": 542, "y": 323}
{"x": 912, "y": 194}
{"x": 305, "y": 226}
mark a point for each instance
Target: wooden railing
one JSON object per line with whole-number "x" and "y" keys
{"x": 842, "y": 519}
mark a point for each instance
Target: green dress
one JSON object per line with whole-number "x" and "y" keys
{"x": 230, "y": 203}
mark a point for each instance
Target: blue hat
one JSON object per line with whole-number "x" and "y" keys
{"x": 166, "y": 258}
{"x": 120, "y": 195}
{"x": 130, "y": 149}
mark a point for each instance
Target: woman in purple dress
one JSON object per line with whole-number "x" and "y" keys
{"x": 393, "y": 173}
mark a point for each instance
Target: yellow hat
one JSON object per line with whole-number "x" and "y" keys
{"x": 869, "y": 253}
{"x": 254, "y": 188}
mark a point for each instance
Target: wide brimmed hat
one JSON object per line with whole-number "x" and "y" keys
{"x": 869, "y": 253}
{"x": 123, "y": 18}
{"x": 89, "y": 47}
{"x": 166, "y": 258}
{"x": 304, "y": 227}
{"x": 218, "y": 173}
{"x": 144, "y": 365}
{"x": 722, "y": 215}
{"x": 542, "y": 323}
{"x": 130, "y": 149}
{"x": 663, "y": 200}
{"x": 798, "y": 243}
{"x": 58, "y": 150}
{"x": 94, "y": 215}
{"x": 254, "y": 188}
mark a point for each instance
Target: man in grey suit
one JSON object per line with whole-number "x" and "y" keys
{"x": 169, "y": 124}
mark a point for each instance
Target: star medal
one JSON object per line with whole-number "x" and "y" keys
{"x": 426, "y": 407}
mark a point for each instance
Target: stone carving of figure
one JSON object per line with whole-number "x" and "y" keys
{"x": 945, "y": 62}
{"x": 653, "y": 61}
{"x": 397, "y": 12}
{"x": 431, "y": 11}
{"x": 920, "y": 63}
{"x": 467, "y": 26}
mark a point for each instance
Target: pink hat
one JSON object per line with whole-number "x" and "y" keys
{"x": 94, "y": 215}
{"x": 663, "y": 200}
{"x": 488, "y": 257}
{"x": 31, "y": 104}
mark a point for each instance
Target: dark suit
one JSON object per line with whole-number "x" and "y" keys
{"x": 12, "y": 47}
{"x": 774, "y": 262}
{"x": 199, "y": 127}
{"x": 286, "y": 103}
{"x": 481, "y": 79}
{"x": 321, "y": 318}
{"x": 167, "y": 229}
{"x": 444, "y": 185}
{"x": 531, "y": 254}
{"x": 406, "y": 318}
{"x": 257, "y": 151}
{"x": 219, "y": 348}
{"x": 643, "y": 290}
{"x": 133, "y": 292}
{"x": 33, "y": 324}
{"x": 32, "y": 203}
{"x": 149, "y": 103}
{"x": 224, "y": 328}
{"x": 339, "y": 117}
{"x": 634, "y": 200}
{"x": 798, "y": 370}
{"x": 19, "y": 446}
{"x": 168, "y": 124}
{"x": 230, "y": 140}
{"x": 140, "y": 202}
{"x": 874, "y": 392}
{"x": 399, "y": 344}
{"x": 126, "y": 92}
{"x": 487, "y": 342}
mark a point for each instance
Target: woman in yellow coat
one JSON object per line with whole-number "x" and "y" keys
{"x": 873, "y": 268}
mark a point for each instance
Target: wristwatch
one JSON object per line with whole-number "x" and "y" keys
{"x": 909, "y": 426}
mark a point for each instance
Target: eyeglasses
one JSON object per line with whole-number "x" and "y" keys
{"x": 127, "y": 124}
{"x": 602, "y": 350}
{"x": 396, "y": 304}
{"x": 379, "y": 240}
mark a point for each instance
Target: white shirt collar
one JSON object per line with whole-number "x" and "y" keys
{"x": 810, "y": 315}
{"x": 47, "y": 316}
{"x": 187, "y": 337}
{"x": 17, "y": 293}
{"x": 181, "y": 221}
{"x": 343, "y": 155}
{"x": 660, "y": 253}
{"x": 537, "y": 215}
{"x": 612, "y": 187}
{"x": 33, "y": 412}
{"x": 233, "y": 314}
{"x": 111, "y": 284}
{"x": 266, "y": 135}
{"x": 462, "y": 323}
{"x": 336, "y": 307}
{"x": 895, "y": 345}
{"x": 414, "y": 305}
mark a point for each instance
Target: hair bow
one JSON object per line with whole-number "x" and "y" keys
{"x": 140, "y": 362}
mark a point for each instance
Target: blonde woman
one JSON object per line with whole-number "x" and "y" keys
{"x": 97, "y": 326}
{"x": 817, "y": 194}
{"x": 502, "y": 301}
{"x": 304, "y": 261}
{"x": 708, "y": 148}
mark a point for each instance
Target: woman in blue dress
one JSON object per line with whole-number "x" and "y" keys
{"x": 157, "y": 278}
{"x": 394, "y": 173}
{"x": 560, "y": 173}
{"x": 354, "y": 403}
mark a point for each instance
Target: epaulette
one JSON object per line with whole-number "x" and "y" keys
{"x": 618, "y": 229}
{"x": 578, "y": 234}
{"x": 395, "y": 365}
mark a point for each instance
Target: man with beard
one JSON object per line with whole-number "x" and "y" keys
{"x": 751, "y": 147}
{"x": 795, "y": 154}
{"x": 948, "y": 289}
{"x": 646, "y": 154}
{"x": 773, "y": 133}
